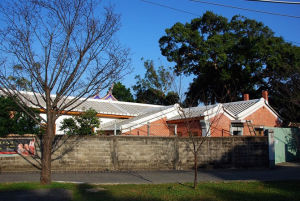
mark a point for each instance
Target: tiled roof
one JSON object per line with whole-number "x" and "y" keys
{"x": 111, "y": 125}
{"x": 140, "y": 111}
{"x": 193, "y": 112}
{"x": 236, "y": 108}
{"x": 117, "y": 107}
{"x": 233, "y": 108}
{"x": 105, "y": 106}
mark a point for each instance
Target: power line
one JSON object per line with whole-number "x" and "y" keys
{"x": 169, "y": 7}
{"x": 246, "y": 9}
{"x": 281, "y": 2}
{"x": 184, "y": 11}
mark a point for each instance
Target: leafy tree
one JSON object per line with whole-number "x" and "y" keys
{"x": 69, "y": 126}
{"x": 13, "y": 120}
{"x": 152, "y": 89}
{"x": 121, "y": 93}
{"x": 17, "y": 80}
{"x": 228, "y": 58}
{"x": 171, "y": 98}
{"x": 149, "y": 96}
{"x": 84, "y": 124}
{"x": 286, "y": 96}
{"x": 67, "y": 48}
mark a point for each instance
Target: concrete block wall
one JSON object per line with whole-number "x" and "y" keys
{"x": 95, "y": 153}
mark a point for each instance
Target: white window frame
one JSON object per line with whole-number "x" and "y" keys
{"x": 237, "y": 126}
{"x": 205, "y": 128}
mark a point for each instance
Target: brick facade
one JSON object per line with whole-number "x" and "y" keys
{"x": 220, "y": 126}
{"x": 155, "y": 128}
{"x": 261, "y": 117}
{"x": 187, "y": 125}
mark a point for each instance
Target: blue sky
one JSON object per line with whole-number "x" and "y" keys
{"x": 144, "y": 23}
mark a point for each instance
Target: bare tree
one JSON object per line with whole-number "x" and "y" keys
{"x": 62, "y": 47}
{"x": 211, "y": 116}
{"x": 190, "y": 118}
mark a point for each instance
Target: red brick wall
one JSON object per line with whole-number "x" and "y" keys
{"x": 220, "y": 126}
{"x": 157, "y": 128}
{"x": 184, "y": 126}
{"x": 261, "y": 117}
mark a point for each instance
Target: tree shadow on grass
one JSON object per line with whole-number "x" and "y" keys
{"x": 273, "y": 191}
{"x": 164, "y": 193}
{"x": 37, "y": 195}
{"x": 84, "y": 193}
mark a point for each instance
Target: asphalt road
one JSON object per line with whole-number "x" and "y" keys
{"x": 287, "y": 171}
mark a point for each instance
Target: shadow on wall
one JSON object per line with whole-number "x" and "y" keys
{"x": 240, "y": 157}
{"x": 293, "y": 144}
{"x": 247, "y": 152}
{"x": 151, "y": 153}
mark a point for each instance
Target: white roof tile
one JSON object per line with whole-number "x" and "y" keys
{"x": 111, "y": 125}
{"x": 193, "y": 112}
{"x": 236, "y": 108}
{"x": 104, "y": 106}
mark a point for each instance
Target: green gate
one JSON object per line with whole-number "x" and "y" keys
{"x": 286, "y": 143}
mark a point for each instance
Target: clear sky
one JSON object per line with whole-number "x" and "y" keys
{"x": 144, "y": 23}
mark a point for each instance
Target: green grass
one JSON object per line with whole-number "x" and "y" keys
{"x": 223, "y": 191}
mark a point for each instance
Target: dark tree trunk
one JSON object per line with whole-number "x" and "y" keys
{"x": 47, "y": 140}
{"x": 195, "y": 171}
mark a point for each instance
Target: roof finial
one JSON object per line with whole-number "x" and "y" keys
{"x": 109, "y": 95}
{"x": 97, "y": 94}
{"x": 111, "y": 88}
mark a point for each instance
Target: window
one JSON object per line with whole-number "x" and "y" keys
{"x": 205, "y": 128}
{"x": 259, "y": 131}
{"x": 236, "y": 129}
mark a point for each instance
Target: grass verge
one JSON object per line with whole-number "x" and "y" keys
{"x": 208, "y": 191}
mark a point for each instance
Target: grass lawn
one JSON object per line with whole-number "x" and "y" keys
{"x": 223, "y": 191}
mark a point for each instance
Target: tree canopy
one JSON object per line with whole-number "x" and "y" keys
{"x": 121, "y": 93}
{"x": 229, "y": 57}
{"x": 155, "y": 87}
{"x": 83, "y": 124}
{"x": 13, "y": 120}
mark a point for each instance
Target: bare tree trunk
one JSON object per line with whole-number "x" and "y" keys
{"x": 47, "y": 140}
{"x": 195, "y": 170}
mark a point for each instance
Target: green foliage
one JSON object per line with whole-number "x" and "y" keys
{"x": 171, "y": 98}
{"x": 13, "y": 120}
{"x": 19, "y": 82}
{"x": 217, "y": 191}
{"x": 152, "y": 89}
{"x": 82, "y": 124}
{"x": 149, "y": 96}
{"x": 121, "y": 93}
{"x": 228, "y": 58}
{"x": 69, "y": 126}
{"x": 286, "y": 96}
